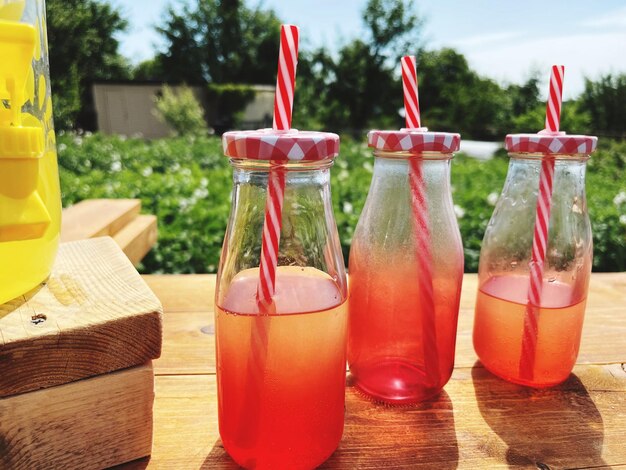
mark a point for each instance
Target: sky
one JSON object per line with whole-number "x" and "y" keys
{"x": 501, "y": 39}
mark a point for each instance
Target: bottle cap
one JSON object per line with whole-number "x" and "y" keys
{"x": 288, "y": 145}
{"x": 550, "y": 143}
{"x": 414, "y": 140}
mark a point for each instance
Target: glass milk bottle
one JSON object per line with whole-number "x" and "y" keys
{"x": 281, "y": 370}
{"x": 539, "y": 352}
{"x": 406, "y": 270}
{"x": 30, "y": 202}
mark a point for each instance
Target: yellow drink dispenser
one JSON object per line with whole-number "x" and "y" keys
{"x": 30, "y": 203}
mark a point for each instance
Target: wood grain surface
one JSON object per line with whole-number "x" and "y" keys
{"x": 94, "y": 314}
{"x": 138, "y": 237}
{"x": 479, "y": 421}
{"x": 89, "y": 424}
{"x": 119, "y": 218}
{"x": 189, "y": 342}
{"x": 97, "y": 217}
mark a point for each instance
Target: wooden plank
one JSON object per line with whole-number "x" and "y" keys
{"x": 189, "y": 347}
{"x": 97, "y": 217}
{"x": 94, "y": 315}
{"x": 138, "y": 237}
{"x": 92, "y": 423}
{"x": 478, "y": 422}
{"x": 184, "y": 293}
{"x": 189, "y": 335}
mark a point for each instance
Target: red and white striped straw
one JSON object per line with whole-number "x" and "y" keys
{"x": 411, "y": 97}
{"x": 271, "y": 234}
{"x": 419, "y": 205}
{"x": 286, "y": 79}
{"x": 540, "y": 236}
{"x": 553, "y": 106}
{"x": 270, "y": 242}
{"x": 283, "y": 104}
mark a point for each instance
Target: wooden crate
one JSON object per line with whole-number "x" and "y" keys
{"x": 90, "y": 424}
{"x": 93, "y": 315}
{"x": 76, "y": 378}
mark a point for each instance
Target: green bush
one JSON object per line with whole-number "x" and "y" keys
{"x": 181, "y": 111}
{"x": 228, "y": 101}
{"x": 186, "y": 182}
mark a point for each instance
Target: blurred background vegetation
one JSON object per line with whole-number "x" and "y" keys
{"x": 186, "y": 182}
{"x": 226, "y": 45}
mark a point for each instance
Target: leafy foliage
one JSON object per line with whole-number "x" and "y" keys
{"x": 218, "y": 41}
{"x": 229, "y": 101}
{"x": 181, "y": 111}
{"x": 359, "y": 87}
{"x": 186, "y": 182}
{"x": 605, "y": 101}
{"x": 83, "y": 48}
{"x": 456, "y": 99}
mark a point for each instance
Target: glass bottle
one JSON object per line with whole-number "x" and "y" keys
{"x": 281, "y": 398}
{"x": 30, "y": 202}
{"x": 400, "y": 345}
{"x": 503, "y": 305}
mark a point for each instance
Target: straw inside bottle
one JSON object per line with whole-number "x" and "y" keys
{"x": 540, "y": 235}
{"x": 422, "y": 227}
{"x": 272, "y": 225}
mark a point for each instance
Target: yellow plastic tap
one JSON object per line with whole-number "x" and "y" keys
{"x": 29, "y": 184}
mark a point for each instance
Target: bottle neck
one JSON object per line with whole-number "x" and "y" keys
{"x": 391, "y": 170}
{"x": 290, "y": 166}
{"x": 568, "y": 182}
{"x": 508, "y": 245}
{"x": 431, "y": 156}
{"x": 308, "y": 232}
{"x": 299, "y": 176}
{"x": 390, "y": 200}
{"x": 390, "y": 220}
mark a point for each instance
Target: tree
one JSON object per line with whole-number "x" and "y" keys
{"x": 359, "y": 88}
{"x": 219, "y": 41}
{"x": 525, "y": 97}
{"x": 605, "y": 101}
{"x": 393, "y": 28}
{"x": 82, "y": 48}
{"x": 454, "y": 98}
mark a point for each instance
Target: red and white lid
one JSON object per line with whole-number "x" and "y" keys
{"x": 414, "y": 140}
{"x": 550, "y": 143}
{"x": 289, "y": 145}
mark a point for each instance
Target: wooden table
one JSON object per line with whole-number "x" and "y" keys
{"x": 479, "y": 421}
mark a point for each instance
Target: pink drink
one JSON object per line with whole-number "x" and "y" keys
{"x": 385, "y": 345}
{"x": 290, "y": 415}
{"x": 500, "y": 311}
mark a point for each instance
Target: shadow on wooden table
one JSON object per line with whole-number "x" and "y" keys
{"x": 553, "y": 427}
{"x": 377, "y": 436}
{"x": 218, "y": 459}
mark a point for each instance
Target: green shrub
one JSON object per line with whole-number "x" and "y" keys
{"x": 181, "y": 111}
{"x": 228, "y": 101}
{"x": 187, "y": 184}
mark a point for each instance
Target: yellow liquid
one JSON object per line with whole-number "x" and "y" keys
{"x": 30, "y": 197}
{"x": 25, "y": 264}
